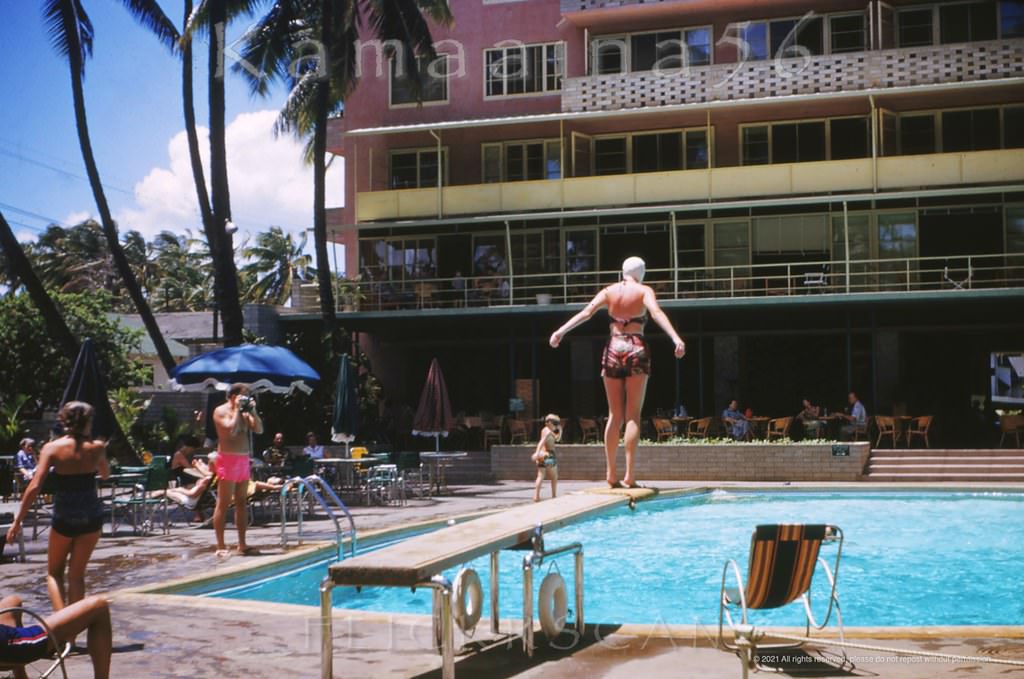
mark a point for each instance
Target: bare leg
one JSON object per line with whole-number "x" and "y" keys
{"x": 81, "y": 551}
{"x": 241, "y": 512}
{"x": 56, "y": 560}
{"x": 553, "y": 471}
{"x": 615, "y": 390}
{"x": 225, "y": 491}
{"x": 92, "y": 614}
{"x": 537, "y": 484}
{"x": 636, "y": 390}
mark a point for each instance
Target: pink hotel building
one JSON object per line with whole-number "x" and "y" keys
{"x": 820, "y": 189}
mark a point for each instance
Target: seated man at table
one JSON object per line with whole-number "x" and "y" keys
{"x": 26, "y": 459}
{"x": 857, "y": 418}
{"x": 810, "y": 418}
{"x": 276, "y": 454}
{"x": 737, "y": 425}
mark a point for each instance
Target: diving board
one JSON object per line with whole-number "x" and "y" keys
{"x": 417, "y": 559}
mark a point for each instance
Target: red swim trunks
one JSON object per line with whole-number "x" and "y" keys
{"x": 232, "y": 467}
{"x": 625, "y": 355}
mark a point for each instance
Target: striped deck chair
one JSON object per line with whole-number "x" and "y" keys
{"x": 783, "y": 558}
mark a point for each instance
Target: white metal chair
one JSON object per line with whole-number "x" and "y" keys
{"x": 58, "y": 653}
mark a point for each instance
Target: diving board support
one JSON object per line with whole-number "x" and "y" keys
{"x": 530, "y": 562}
{"x": 494, "y": 594}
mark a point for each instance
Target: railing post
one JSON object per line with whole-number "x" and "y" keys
{"x": 908, "y": 275}
{"x": 789, "y": 279}
{"x": 495, "y": 620}
{"x": 326, "y": 629}
{"x": 528, "y": 605}
{"x": 732, "y": 281}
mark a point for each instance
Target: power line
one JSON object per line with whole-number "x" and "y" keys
{"x": 66, "y": 173}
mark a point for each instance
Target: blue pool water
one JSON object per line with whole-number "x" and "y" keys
{"x": 908, "y": 559}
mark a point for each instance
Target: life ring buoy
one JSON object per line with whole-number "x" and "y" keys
{"x": 552, "y": 605}
{"x": 467, "y": 615}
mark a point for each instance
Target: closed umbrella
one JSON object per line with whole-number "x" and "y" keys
{"x": 434, "y": 414}
{"x": 86, "y": 384}
{"x": 260, "y": 367}
{"x": 345, "y": 422}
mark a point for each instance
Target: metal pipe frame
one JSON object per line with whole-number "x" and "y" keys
{"x": 530, "y": 562}
{"x": 310, "y": 485}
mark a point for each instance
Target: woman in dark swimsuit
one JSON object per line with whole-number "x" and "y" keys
{"x": 74, "y": 460}
{"x": 626, "y": 362}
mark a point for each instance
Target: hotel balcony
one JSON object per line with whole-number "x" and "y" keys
{"x": 862, "y": 175}
{"x": 848, "y": 72}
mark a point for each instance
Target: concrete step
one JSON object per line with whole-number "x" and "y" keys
{"x": 949, "y": 476}
{"x": 928, "y": 459}
{"x": 947, "y": 452}
{"x": 985, "y": 468}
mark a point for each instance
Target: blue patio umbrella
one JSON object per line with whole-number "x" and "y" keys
{"x": 260, "y": 367}
{"x": 86, "y": 384}
{"x": 345, "y": 422}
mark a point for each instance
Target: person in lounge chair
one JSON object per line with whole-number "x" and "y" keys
{"x": 23, "y": 645}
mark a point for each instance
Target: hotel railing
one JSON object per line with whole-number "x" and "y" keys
{"x": 877, "y": 276}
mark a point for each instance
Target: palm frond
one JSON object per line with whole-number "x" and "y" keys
{"x": 70, "y": 30}
{"x": 298, "y": 114}
{"x": 267, "y": 52}
{"x": 147, "y": 13}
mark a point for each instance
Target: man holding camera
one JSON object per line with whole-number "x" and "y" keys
{"x": 235, "y": 420}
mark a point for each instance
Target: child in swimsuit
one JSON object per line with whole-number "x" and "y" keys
{"x": 544, "y": 455}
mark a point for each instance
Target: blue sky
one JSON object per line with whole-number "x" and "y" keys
{"x": 132, "y": 90}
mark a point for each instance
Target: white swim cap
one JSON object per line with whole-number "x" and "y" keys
{"x": 634, "y": 267}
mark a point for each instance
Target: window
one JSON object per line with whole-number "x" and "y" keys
{"x": 525, "y": 69}
{"x": 796, "y": 233}
{"x": 1015, "y": 230}
{"x": 698, "y": 46}
{"x": 581, "y": 251}
{"x": 398, "y": 259}
{"x": 917, "y": 134}
{"x": 965, "y": 22}
{"x": 798, "y": 142}
{"x": 690, "y": 245}
{"x": 1013, "y": 127}
{"x": 897, "y": 236}
{"x": 859, "y": 238}
{"x": 791, "y": 37}
{"x": 846, "y": 33}
{"x": 609, "y": 56}
{"x": 662, "y": 51}
{"x": 535, "y": 252}
{"x": 1011, "y": 19}
{"x": 697, "y": 155}
{"x": 657, "y": 152}
{"x": 414, "y": 169}
{"x": 433, "y": 77}
{"x": 850, "y": 138}
{"x": 754, "y": 38}
{"x": 520, "y": 161}
{"x": 756, "y": 147}
{"x": 915, "y": 27}
{"x": 610, "y": 156}
{"x": 975, "y": 130}
{"x": 732, "y": 244}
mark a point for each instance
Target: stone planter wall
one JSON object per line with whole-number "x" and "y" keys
{"x": 691, "y": 462}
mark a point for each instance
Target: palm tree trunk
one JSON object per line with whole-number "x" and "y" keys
{"x": 188, "y": 104}
{"x": 109, "y": 228}
{"x": 323, "y": 265}
{"x": 20, "y": 266}
{"x": 221, "y": 246}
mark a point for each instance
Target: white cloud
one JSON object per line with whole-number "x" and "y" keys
{"x": 270, "y": 184}
{"x": 26, "y": 236}
{"x": 77, "y": 217}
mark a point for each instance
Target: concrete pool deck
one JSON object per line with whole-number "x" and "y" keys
{"x": 163, "y": 635}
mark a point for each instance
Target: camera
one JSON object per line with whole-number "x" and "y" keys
{"x": 246, "y": 404}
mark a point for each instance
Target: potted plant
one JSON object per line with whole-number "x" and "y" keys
{"x": 350, "y": 293}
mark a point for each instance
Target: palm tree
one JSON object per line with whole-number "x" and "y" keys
{"x": 19, "y": 264}
{"x": 71, "y": 34}
{"x": 280, "y": 40}
{"x": 140, "y": 257}
{"x": 278, "y": 263}
{"x": 213, "y": 17}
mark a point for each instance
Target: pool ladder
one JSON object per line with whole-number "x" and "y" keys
{"x": 310, "y": 484}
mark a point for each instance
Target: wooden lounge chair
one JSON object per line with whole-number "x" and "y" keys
{"x": 517, "y": 431}
{"x": 1011, "y": 425}
{"x": 589, "y": 430}
{"x": 919, "y": 426}
{"x": 886, "y": 427}
{"x": 779, "y": 427}
{"x": 698, "y": 429}
{"x": 782, "y": 563}
{"x": 663, "y": 428}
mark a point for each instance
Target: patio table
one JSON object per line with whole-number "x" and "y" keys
{"x": 440, "y": 462}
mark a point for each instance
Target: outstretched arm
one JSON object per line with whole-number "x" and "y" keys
{"x": 651, "y": 302}
{"x": 600, "y": 300}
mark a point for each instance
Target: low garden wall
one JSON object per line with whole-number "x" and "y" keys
{"x": 697, "y": 462}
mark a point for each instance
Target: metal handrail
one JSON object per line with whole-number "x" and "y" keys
{"x": 309, "y": 484}
{"x": 951, "y": 272}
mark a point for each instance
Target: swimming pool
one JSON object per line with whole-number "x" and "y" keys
{"x": 909, "y": 559}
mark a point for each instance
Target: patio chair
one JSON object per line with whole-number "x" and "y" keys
{"x": 146, "y": 497}
{"x": 663, "y": 428}
{"x": 492, "y": 430}
{"x": 589, "y": 430}
{"x": 517, "y": 431}
{"x": 886, "y": 427}
{"x": 919, "y": 426}
{"x": 1011, "y": 425}
{"x": 58, "y": 653}
{"x": 699, "y": 428}
{"x": 778, "y": 428}
{"x": 782, "y": 564}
